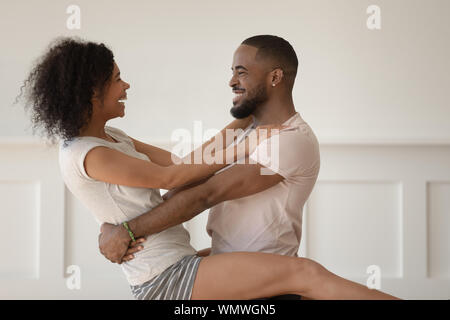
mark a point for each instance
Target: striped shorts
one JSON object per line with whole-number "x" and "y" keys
{"x": 174, "y": 283}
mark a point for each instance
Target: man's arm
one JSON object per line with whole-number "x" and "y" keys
{"x": 237, "y": 182}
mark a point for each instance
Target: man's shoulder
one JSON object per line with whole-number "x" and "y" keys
{"x": 301, "y": 136}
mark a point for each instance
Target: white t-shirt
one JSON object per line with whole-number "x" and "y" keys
{"x": 271, "y": 220}
{"x": 115, "y": 204}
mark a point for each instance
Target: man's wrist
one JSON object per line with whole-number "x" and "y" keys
{"x": 133, "y": 227}
{"x": 130, "y": 233}
{"x": 124, "y": 235}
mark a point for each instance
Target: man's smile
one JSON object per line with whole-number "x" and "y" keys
{"x": 237, "y": 95}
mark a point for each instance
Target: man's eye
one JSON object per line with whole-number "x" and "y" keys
{"x": 239, "y": 73}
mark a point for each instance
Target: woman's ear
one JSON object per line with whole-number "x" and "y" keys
{"x": 94, "y": 94}
{"x": 96, "y": 99}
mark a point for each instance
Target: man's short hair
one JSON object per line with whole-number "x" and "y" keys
{"x": 276, "y": 49}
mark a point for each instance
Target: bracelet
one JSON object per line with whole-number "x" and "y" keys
{"x": 125, "y": 224}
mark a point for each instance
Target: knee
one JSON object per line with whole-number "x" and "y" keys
{"x": 308, "y": 271}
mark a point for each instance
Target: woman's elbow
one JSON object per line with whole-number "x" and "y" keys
{"x": 157, "y": 179}
{"x": 168, "y": 184}
{"x": 170, "y": 181}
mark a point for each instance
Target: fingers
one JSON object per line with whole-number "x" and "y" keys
{"x": 267, "y": 131}
{"x": 129, "y": 256}
{"x": 288, "y": 128}
{"x": 137, "y": 242}
{"x": 133, "y": 248}
{"x": 275, "y": 126}
{"x": 114, "y": 250}
{"x": 130, "y": 251}
{"x": 204, "y": 252}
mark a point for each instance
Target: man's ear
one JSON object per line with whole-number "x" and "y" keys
{"x": 276, "y": 77}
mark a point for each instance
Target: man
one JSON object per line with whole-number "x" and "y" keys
{"x": 250, "y": 211}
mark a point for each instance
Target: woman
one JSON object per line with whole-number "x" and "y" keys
{"x": 73, "y": 91}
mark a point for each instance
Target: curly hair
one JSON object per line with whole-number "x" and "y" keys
{"x": 61, "y": 85}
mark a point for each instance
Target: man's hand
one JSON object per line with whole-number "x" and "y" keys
{"x": 204, "y": 253}
{"x": 113, "y": 242}
{"x": 133, "y": 248}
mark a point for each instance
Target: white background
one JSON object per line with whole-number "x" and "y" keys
{"x": 378, "y": 101}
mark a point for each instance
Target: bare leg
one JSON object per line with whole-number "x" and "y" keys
{"x": 250, "y": 275}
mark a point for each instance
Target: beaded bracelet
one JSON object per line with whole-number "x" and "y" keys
{"x": 125, "y": 224}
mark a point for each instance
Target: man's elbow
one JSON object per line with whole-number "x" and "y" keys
{"x": 195, "y": 200}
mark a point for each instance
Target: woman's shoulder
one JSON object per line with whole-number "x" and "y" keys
{"x": 117, "y": 133}
{"x": 72, "y": 154}
{"x": 78, "y": 147}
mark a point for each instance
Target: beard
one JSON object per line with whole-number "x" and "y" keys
{"x": 248, "y": 106}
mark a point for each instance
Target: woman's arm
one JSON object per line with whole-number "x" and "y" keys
{"x": 164, "y": 158}
{"x": 220, "y": 138}
{"x": 157, "y": 155}
{"x": 112, "y": 166}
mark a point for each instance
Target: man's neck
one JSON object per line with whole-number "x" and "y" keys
{"x": 276, "y": 111}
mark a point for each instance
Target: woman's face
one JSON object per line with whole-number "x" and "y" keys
{"x": 115, "y": 93}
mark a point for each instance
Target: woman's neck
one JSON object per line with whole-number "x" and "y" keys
{"x": 95, "y": 129}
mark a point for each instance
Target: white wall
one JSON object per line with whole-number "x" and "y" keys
{"x": 368, "y": 94}
{"x": 354, "y": 83}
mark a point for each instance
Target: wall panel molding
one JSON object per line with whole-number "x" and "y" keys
{"x": 438, "y": 223}
{"x": 406, "y": 183}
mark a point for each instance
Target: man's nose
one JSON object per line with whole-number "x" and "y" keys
{"x": 233, "y": 81}
{"x": 127, "y": 85}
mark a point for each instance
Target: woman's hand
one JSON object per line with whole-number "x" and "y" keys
{"x": 260, "y": 134}
{"x": 267, "y": 131}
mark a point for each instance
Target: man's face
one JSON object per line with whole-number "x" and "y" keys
{"x": 248, "y": 82}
